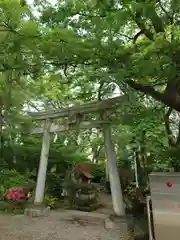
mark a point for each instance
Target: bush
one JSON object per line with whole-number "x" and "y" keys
{"x": 11, "y": 178}
{"x": 50, "y": 201}
{"x": 3, "y": 193}
{"x": 136, "y": 196}
{"x": 54, "y": 184}
{"x": 98, "y": 172}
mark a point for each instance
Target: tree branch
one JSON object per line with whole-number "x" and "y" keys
{"x": 178, "y": 137}
{"x": 167, "y": 99}
{"x": 171, "y": 139}
{"x": 99, "y": 91}
{"x": 142, "y": 26}
{"x": 137, "y": 35}
{"x": 96, "y": 154}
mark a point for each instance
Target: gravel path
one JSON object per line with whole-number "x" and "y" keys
{"x": 49, "y": 228}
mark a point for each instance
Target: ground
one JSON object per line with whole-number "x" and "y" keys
{"x": 64, "y": 225}
{"x": 54, "y": 227}
{"x": 59, "y": 225}
{"x": 106, "y": 201}
{"x": 141, "y": 226}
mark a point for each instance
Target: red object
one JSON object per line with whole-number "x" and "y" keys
{"x": 169, "y": 184}
{"x": 16, "y": 193}
{"x": 21, "y": 196}
{"x": 9, "y": 196}
{"x": 84, "y": 168}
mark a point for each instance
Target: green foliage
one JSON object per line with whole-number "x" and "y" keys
{"x": 50, "y": 201}
{"x": 136, "y": 197}
{"x": 98, "y": 172}
{"x": 11, "y": 178}
{"x": 76, "y": 52}
{"x": 54, "y": 184}
{"x": 3, "y": 193}
{"x": 8, "y": 179}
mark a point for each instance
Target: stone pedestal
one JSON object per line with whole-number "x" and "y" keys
{"x": 37, "y": 211}
{"x": 122, "y": 228}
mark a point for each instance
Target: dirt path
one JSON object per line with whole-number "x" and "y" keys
{"x": 106, "y": 200}
{"x": 49, "y": 228}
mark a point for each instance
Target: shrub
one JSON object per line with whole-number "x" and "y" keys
{"x": 98, "y": 172}
{"x": 11, "y": 178}
{"x": 10, "y": 183}
{"x": 137, "y": 198}
{"x": 53, "y": 184}
{"x": 50, "y": 201}
{"x": 3, "y": 193}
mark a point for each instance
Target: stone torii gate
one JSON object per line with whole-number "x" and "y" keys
{"x": 74, "y": 118}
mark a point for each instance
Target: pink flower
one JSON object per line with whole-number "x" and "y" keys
{"x": 20, "y": 195}
{"x": 16, "y": 193}
{"x": 9, "y": 196}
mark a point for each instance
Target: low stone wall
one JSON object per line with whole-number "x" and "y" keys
{"x": 37, "y": 211}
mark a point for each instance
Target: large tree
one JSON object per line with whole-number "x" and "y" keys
{"x": 132, "y": 43}
{"x": 78, "y": 52}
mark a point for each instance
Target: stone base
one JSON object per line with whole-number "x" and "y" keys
{"x": 37, "y": 211}
{"x": 121, "y": 227}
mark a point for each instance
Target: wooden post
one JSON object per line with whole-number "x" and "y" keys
{"x": 41, "y": 179}
{"x": 116, "y": 192}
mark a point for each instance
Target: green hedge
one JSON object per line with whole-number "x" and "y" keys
{"x": 11, "y": 178}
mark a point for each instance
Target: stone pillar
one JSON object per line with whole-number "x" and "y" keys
{"x": 107, "y": 171}
{"x": 116, "y": 192}
{"x": 41, "y": 179}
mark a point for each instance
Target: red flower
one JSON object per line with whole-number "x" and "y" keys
{"x": 21, "y": 195}
{"x": 16, "y": 193}
{"x": 9, "y": 196}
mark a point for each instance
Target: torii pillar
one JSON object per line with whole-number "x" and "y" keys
{"x": 41, "y": 179}
{"x": 117, "y": 224}
{"x": 115, "y": 185}
{"x": 38, "y": 209}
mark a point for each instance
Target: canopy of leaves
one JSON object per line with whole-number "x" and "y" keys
{"x": 73, "y": 52}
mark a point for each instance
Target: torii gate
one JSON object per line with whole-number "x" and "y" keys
{"x": 75, "y": 119}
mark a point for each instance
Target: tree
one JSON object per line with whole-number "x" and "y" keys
{"x": 78, "y": 52}
{"x": 135, "y": 43}
{"x": 18, "y": 34}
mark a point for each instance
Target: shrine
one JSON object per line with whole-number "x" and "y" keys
{"x": 84, "y": 172}
{"x": 84, "y": 116}
{"x": 73, "y": 118}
